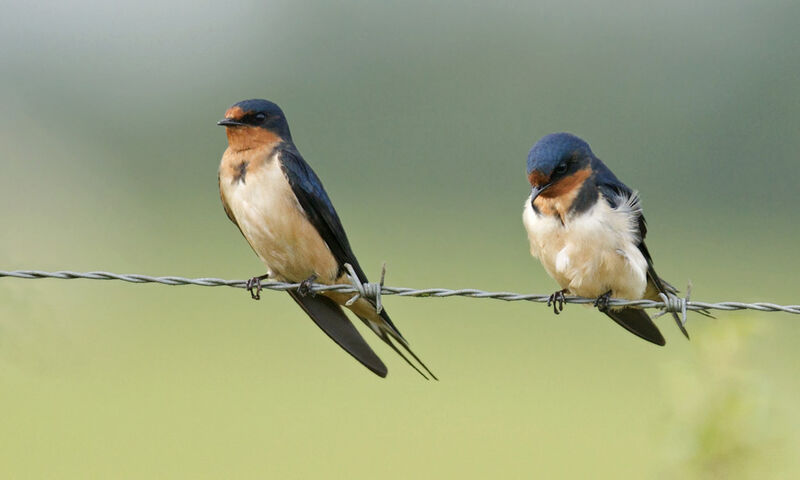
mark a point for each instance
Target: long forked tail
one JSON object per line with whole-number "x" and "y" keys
{"x": 384, "y": 328}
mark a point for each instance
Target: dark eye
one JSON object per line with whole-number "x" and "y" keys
{"x": 561, "y": 168}
{"x": 260, "y": 117}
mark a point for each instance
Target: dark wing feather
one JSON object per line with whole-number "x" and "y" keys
{"x": 613, "y": 191}
{"x": 308, "y": 189}
{"x": 328, "y": 316}
{"x": 317, "y": 206}
{"x": 638, "y": 323}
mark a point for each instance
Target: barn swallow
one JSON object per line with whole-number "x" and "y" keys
{"x": 281, "y": 208}
{"x": 587, "y": 229}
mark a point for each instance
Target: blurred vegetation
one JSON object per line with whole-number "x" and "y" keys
{"x": 723, "y": 422}
{"x": 418, "y": 118}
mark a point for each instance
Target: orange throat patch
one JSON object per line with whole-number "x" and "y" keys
{"x": 558, "y": 199}
{"x": 247, "y": 138}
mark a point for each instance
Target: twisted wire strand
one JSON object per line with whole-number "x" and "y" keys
{"x": 375, "y": 290}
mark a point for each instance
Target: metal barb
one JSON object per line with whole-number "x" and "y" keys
{"x": 351, "y": 274}
{"x": 673, "y": 303}
{"x": 366, "y": 290}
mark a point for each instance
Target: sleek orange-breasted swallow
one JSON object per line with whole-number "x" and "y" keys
{"x": 587, "y": 229}
{"x": 280, "y": 206}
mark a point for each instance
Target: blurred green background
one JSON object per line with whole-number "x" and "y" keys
{"x": 418, "y": 118}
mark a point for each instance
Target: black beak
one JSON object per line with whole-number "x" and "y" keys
{"x": 536, "y": 190}
{"x": 229, "y": 122}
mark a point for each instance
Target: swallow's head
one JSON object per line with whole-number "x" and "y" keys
{"x": 250, "y": 123}
{"x": 557, "y": 164}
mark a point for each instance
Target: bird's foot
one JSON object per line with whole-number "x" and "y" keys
{"x": 305, "y": 286}
{"x": 254, "y": 286}
{"x": 602, "y": 301}
{"x": 557, "y": 300}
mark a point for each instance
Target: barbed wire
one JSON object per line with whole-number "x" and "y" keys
{"x": 374, "y": 291}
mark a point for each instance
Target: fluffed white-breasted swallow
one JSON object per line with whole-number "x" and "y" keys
{"x": 587, "y": 229}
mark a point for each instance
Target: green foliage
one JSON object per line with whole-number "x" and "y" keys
{"x": 724, "y": 422}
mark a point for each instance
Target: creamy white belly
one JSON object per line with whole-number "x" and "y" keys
{"x": 591, "y": 253}
{"x": 273, "y": 222}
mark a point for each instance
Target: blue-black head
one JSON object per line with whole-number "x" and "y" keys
{"x": 554, "y": 158}
{"x": 257, "y": 113}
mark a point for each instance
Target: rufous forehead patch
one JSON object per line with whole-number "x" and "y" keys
{"x": 234, "y": 113}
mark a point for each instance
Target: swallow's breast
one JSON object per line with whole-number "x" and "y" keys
{"x": 589, "y": 253}
{"x": 267, "y": 212}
